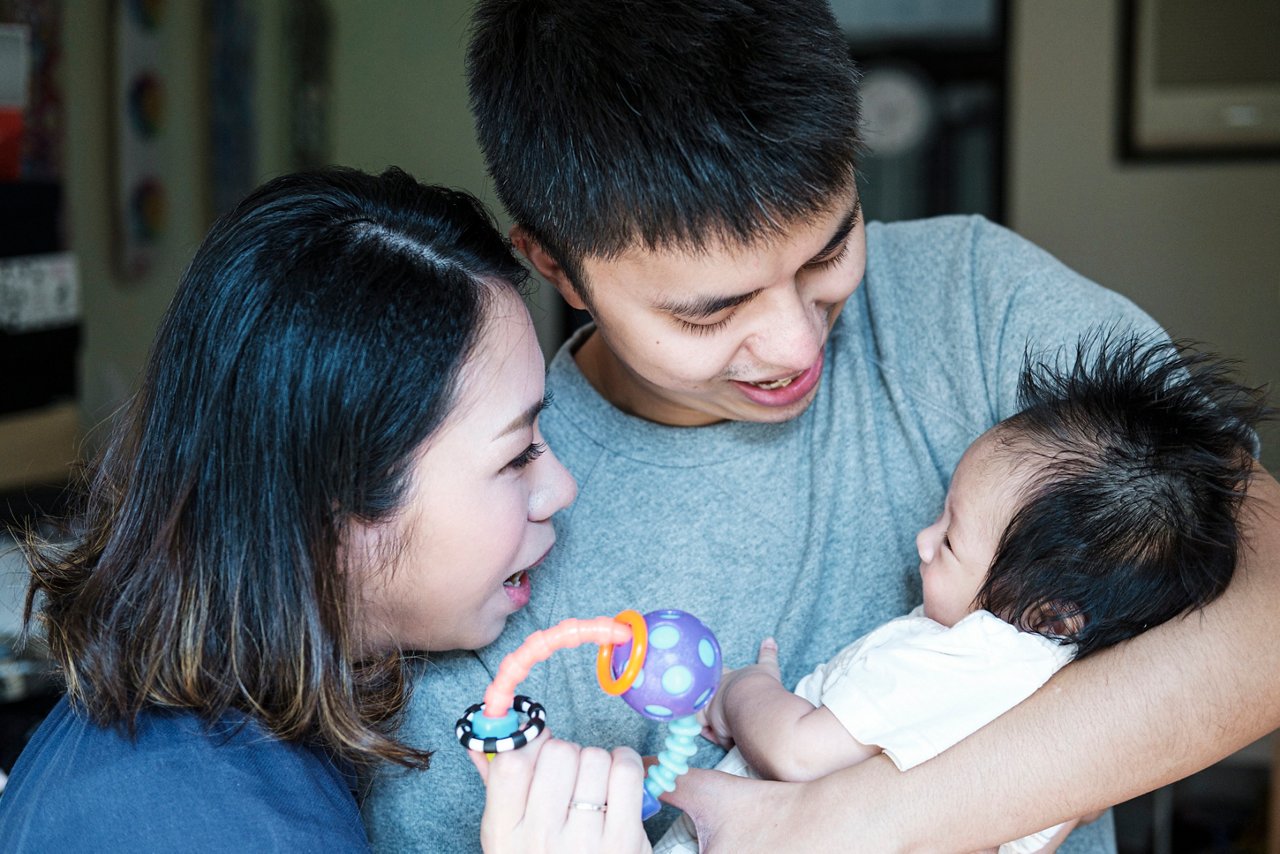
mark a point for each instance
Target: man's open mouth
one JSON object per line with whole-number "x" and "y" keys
{"x": 773, "y": 384}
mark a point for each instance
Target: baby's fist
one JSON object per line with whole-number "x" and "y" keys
{"x": 714, "y": 716}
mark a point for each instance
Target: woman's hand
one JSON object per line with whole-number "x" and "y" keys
{"x": 555, "y": 796}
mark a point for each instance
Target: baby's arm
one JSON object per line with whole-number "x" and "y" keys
{"x": 781, "y": 734}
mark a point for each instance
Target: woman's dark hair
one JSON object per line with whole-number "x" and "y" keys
{"x": 1138, "y": 454}
{"x": 661, "y": 123}
{"x": 311, "y": 348}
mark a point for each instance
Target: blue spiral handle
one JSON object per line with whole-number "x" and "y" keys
{"x": 672, "y": 762}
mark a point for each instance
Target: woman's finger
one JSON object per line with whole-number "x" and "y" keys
{"x": 591, "y": 788}
{"x": 551, "y": 789}
{"x": 623, "y": 831}
{"x": 481, "y": 763}
{"x": 509, "y": 780}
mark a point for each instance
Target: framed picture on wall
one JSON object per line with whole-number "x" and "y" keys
{"x": 1200, "y": 79}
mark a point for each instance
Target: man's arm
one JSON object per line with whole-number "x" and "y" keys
{"x": 1125, "y": 721}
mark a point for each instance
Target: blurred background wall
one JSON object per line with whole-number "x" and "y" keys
{"x": 1195, "y": 243}
{"x": 396, "y": 96}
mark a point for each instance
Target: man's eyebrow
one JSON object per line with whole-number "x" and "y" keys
{"x": 704, "y": 306}
{"x": 842, "y": 232}
{"x": 525, "y": 419}
{"x": 707, "y": 306}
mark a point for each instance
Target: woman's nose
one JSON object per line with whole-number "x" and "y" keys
{"x": 555, "y": 488}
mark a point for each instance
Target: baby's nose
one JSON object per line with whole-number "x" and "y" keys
{"x": 927, "y": 543}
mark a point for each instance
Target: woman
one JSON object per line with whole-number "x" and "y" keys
{"x": 333, "y": 457}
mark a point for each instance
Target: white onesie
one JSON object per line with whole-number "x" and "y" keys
{"x": 914, "y": 687}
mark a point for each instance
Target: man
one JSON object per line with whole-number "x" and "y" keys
{"x": 767, "y": 408}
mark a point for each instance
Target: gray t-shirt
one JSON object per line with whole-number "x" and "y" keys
{"x": 804, "y": 530}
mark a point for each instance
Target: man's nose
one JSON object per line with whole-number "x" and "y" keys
{"x": 791, "y": 334}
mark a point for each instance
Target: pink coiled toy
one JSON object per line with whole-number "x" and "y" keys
{"x": 665, "y": 665}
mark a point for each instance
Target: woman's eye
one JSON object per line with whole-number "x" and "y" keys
{"x": 528, "y": 455}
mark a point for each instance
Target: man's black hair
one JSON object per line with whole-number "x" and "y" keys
{"x": 1139, "y": 454}
{"x": 607, "y": 125}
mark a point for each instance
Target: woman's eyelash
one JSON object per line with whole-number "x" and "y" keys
{"x": 528, "y": 455}
{"x": 829, "y": 262}
{"x": 704, "y": 328}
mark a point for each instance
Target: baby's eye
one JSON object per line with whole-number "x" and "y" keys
{"x": 946, "y": 542}
{"x": 528, "y": 455}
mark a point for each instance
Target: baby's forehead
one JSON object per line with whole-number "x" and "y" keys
{"x": 1000, "y": 462}
{"x": 999, "y": 448}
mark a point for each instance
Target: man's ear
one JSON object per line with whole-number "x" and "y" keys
{"x": 546, "y": 265}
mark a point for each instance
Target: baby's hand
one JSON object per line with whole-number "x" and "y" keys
{"x": 713, "y": 717}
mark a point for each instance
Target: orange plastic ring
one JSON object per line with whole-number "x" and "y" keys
{"x": 635, "y": 661}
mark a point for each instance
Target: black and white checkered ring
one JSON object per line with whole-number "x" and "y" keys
{"x": 534, "y": 725}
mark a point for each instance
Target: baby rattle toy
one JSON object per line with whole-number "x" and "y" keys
{"x": 665, "y": 665}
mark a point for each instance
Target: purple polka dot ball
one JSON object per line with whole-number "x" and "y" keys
{"x": 681, "y": 671}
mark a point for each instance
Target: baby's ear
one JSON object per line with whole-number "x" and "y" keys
{"x": 1059, "y": 618}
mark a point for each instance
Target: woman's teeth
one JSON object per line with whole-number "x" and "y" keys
{"x": 515, "y": 580}
{"x": 770, "y": 386}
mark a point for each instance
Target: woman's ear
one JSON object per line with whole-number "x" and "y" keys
{"x": 546, "y": 265}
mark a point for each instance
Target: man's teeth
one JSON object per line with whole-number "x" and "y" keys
{"x": 783, "y": 383}
{"x": 515, "y": 580}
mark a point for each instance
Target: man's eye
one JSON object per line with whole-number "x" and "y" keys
{"x": 528, "y": 455}
{"x": 824, "y": 263}
{"x": 704, "y": 328}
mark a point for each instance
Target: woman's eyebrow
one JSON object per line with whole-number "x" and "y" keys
{"x": 524, "y": 420}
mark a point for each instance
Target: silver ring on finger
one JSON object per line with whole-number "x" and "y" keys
{"x": 586, "y": 805}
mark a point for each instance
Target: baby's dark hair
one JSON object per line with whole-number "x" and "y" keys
{"x": 1138, "y": 453}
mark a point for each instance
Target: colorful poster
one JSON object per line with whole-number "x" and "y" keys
{"x": 42, "y": 118}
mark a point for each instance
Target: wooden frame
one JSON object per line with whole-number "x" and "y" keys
{"x": 1187, "y": 118}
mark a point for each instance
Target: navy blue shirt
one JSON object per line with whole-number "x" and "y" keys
{"x": 181, "y": 785}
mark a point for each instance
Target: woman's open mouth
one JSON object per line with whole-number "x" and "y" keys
{"x": 518, "y": 589}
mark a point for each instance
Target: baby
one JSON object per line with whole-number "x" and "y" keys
{"x": 1106, "y": 506}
